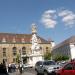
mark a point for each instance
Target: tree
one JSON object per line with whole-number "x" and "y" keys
{"x": 61, "y": 58}
{"x": 57, "y": 58}
{"x": 18, "y": 58}
{"x": 65, "y": 57}
{"x": 47, "y": 56}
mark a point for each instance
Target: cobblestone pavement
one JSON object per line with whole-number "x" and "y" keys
{"x": 25, "y": 73}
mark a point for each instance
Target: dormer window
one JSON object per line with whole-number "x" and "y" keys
{"x": 39, "y": 40}
{"x": 3, "y": 40}
{"x": 23, "y": 41}
{"x": 14, "y": 40}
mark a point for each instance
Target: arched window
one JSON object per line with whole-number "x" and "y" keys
{"x": 23, "y": 50}
{"x": 14, "y": 51}
{"x": 4, "y": 52}
{"x": 47, "y": 49}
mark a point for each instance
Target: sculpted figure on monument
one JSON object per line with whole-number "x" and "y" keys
{"x": 34, "y": 29}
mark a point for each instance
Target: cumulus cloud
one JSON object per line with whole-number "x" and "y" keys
{"x": 49, "y": 18}
{"x": 68, "y": 17}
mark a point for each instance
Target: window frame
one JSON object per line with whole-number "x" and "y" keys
{"x": 67, "y": 66}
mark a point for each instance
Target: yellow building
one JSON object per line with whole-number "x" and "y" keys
{"x": 12, "y": 45}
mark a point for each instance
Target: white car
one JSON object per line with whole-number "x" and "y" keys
{"x": 27, "y": 66}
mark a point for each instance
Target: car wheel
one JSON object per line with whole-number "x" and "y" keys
{"x": 57, "y": 74}
{"x": 53, "y": 73}
{"x": 36, "y": 73}
{"x": 45, "y": 73}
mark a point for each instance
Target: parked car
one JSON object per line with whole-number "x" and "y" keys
{"x": 27, "y": 66}
{"x": 67, "y": 69}
{"x": 62, "y": 63}
{"x": 46, "y": 67}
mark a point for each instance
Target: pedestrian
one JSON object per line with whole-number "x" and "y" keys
{"x": 20, "y": 69}
{"x": 9, "y": 67}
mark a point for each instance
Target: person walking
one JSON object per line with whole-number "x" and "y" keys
{"x": 20, "y": 69}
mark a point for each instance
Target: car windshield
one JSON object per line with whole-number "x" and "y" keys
{"x": 49, "y": 63}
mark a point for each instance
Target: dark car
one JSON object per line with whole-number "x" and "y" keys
{"x": 67, "y": 69}
{"x": 3, "y": 70}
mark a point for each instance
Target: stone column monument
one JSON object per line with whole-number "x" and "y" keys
{"x": 35, "y": 48}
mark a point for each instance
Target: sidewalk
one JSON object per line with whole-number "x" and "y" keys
{"x": 24, "y": 73}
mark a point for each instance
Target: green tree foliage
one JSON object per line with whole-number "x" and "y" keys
{"x": 61, "y": 58}
{"x": 18, "y": 58}
{"x": 47, "y": 56}
{"x": 65, "y": 57}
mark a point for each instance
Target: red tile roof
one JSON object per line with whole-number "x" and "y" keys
{"x": 9, "y": 37}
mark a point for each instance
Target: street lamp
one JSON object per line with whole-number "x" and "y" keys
{"x": 21, "y": 60}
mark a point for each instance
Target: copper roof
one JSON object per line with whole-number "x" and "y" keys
{"x": 9, "y": 37}
{"x": 65, "y": 42}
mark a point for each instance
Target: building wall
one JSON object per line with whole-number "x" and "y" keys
{"x": 9, "y": 52}
{"x": 62, "y": 50}
{"x": 72, "y": 50}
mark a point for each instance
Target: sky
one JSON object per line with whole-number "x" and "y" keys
{"x": 55, "y": 19}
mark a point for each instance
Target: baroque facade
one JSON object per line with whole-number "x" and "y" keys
{"x": 14, "y": 45}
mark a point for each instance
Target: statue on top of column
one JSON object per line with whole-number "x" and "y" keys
{"x": 34, "y": 28}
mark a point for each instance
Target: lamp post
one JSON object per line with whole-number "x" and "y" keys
{"x": 21, "y": 60}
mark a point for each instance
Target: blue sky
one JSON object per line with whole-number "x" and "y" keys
{"x": 55, "y": 19}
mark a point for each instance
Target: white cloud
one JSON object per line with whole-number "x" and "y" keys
{"x": 50, "y": 11}
{"x": 48, "y": 18}
{"x": 68, "y": 17}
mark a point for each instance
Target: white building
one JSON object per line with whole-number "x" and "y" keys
{"x": 66, "y": 47}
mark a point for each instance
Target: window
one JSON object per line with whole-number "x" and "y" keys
{"x": 49, "y": 63}
{"x": 74, "y": 66}
{"x": 23, "y": 50}
{"x": 46, "y": 48}
{"x": 38, "y": 63}
{"x": 14, "y": 40}
{"x": 4, "y": 52}
{"x": 14, "y": 51}
{"x": 3, "y": 40}
{"x": 23, "y": 41}
{"x": 14, "y": 59}
{"x": 68, "y": 66}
